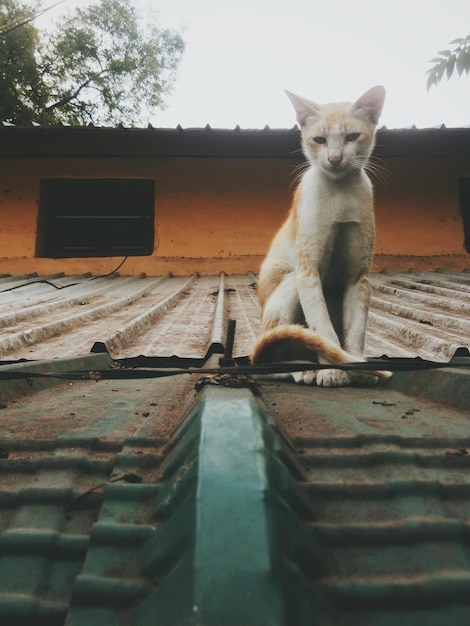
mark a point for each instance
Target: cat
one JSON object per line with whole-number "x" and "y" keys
{"x": 313, "y": 285}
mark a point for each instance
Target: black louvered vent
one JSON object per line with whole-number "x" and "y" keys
{"x": 96, "y": 217}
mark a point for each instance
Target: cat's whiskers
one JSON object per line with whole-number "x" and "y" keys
{"x": 358, "y": 163}
{"x": 299, "y": 171}
{"x": 371, "y": 167}
{"x": 376, "y": 170}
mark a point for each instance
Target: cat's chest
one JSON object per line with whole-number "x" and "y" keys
{"x": 323, "y": 210}
{"x": 335, "y": 253}
{"x": 335, "y": 229}
{"x": 323, "y": 202}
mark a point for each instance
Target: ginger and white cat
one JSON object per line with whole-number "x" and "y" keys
{"x": 313, "y": 285}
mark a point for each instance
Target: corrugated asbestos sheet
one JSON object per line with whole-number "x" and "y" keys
{"x": 222, "y": 499}
{"x": 412, "y": 314}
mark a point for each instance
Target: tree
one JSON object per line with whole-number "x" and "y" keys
{"x": 448, "y": 60}
{"x": 19, "y": 73}
{"x": 100, "y": 64}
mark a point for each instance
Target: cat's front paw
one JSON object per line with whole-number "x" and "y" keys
{"x": 333, "y": 378}
{"x": 305, "y": 378}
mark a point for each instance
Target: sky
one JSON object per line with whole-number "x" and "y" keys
{"x": 241, "y": 55}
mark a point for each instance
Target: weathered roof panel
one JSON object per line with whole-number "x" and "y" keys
{"x": 387, "y": 473}
{"x": 128, "y": 501}
{"x": 413, "y": 314}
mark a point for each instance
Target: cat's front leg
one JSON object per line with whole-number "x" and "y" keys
{"x": 355, "y": 312}
{"x": 314, "y": 307}
{"x": 318, "y": 319}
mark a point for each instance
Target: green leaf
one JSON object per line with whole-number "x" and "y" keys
{"x": 463, "y": 62}
{"x": 450, "y": 66}
{"x": 440, "y": 71}
{"x": 449, "y": 61}
{"x": 431, "y": 80}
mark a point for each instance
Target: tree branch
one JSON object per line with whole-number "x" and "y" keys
{"x": 68, "y": 98}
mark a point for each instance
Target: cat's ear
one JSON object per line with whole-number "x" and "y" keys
{"x": 305, "y": 109}
{"x": 370, "y": 104}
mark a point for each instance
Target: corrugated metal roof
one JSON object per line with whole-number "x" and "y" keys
{"x": 145, "y": 501}
{"x": 80, "y": 141}
{"x": 412, "y": 314}
{"x": 208, "y": 126}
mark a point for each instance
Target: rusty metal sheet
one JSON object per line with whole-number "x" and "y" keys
{"x": 85, "y": 465}
{"x": 379, "y": 478}
{"x": 387, "y": 474}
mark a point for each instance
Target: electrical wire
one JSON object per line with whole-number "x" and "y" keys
{"x": 8, "y": 28}
{"x": 40, "y": 280}
{"x": 48, "y": 282}
{"x": 265, "y": 369}
{"x": 116, "y": 269}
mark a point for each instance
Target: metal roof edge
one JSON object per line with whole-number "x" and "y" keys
{"x": 447, "y": 387}
{"x": 13, "y": 389}
{"x": 112, "y": 142}
{"x": 90, "y": 127}
{"x": 209, "y": 142}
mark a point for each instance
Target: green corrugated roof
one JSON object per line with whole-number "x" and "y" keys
{"x": 152, "y": 502}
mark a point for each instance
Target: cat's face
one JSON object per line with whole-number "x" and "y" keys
{"x": 339, "y": 137}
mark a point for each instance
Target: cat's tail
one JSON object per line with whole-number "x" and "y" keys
{"x": 292, "y": 342}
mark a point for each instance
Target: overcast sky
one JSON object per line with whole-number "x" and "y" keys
{"x": 241, "y": 55}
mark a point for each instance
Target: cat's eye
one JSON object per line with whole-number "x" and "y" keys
{"x": 319, "y": 139}
{"x": 352, "y": 136}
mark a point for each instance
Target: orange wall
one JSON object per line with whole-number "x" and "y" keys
{"x": 417, "y": 207}
{"x": 219, "y": 214}
{"x": 220, "y": 208}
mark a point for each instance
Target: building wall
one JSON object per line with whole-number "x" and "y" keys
{"x": 418, "y": 212}
{"x": 219, "y": 214}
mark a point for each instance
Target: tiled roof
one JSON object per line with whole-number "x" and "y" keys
{"x": 220, "y": 499}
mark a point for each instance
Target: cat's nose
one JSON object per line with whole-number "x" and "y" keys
{"x": 335, "y": 159}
